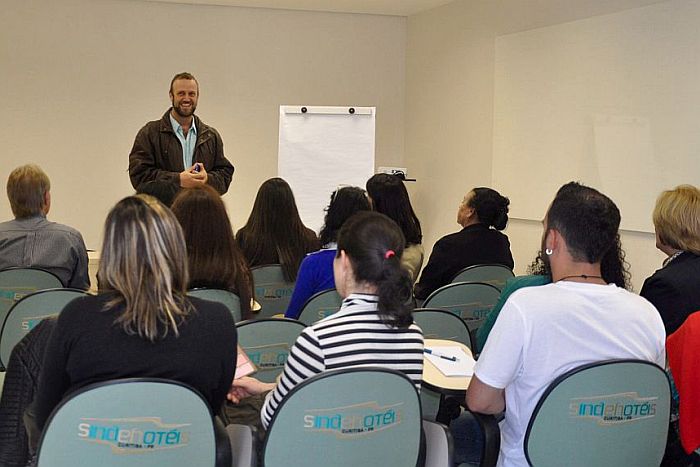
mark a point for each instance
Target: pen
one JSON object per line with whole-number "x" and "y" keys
{"x": 437, "y": 354}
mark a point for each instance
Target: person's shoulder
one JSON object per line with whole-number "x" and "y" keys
{"x": 450, "y": 239}
{"x": 63, "y": 228}
{"x": 533, "y": 295}
{"x": 634, "y": 300}
{"x": 7, "y": 225}
{"x": 154, "y": 126}
{"x": 212, "y": 311}
{"x": 320, "y": 255}
{"x": 82, "y": 309}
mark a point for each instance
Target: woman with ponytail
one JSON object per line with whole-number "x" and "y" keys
{"x": 375, "y": 290}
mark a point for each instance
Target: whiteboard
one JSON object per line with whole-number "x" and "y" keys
{"x": 321, "y": 149}
{"x": 611, "y": 101}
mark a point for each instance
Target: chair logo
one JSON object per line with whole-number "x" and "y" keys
{"x": 614, "y": 409}
{"x": 470, "y": 311}
{"x": 133, "y": 435}
{"x": 326, "y": 312}
{"x": 16, "y": 294}
{"x": 28, "y": 324}
{"x": 268, "y": 357}
{"x": 273, "y": 292}
{"x": 354, "y": 420}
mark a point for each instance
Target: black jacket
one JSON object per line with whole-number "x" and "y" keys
{"x": 157, "y": 155}
{"x": 18, "y": 391}
{"x": 675, "y": 290}
{"x": 474, "y": 244}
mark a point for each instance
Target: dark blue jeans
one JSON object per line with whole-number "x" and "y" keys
{"x": 468, "y": 439}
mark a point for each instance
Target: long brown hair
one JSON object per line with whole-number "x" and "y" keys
{"x": 274, "y": 232}
{"x": 144, "y": 266}
{"x": 215, "y": 260}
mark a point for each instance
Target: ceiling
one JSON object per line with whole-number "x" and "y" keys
{"x": 377, "y": 7}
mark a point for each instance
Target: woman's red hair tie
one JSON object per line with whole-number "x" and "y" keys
{"x": 389, "y": 254}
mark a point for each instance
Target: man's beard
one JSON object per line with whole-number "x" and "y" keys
{"x": 184, "y": 113}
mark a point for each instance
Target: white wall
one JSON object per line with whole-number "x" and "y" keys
{"x": 80, "y": 77}
{"x": 450, "y": 110}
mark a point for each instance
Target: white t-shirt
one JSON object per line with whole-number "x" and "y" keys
{"x": 545, "y": 331}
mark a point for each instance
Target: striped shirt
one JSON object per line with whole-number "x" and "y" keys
{"x": 353, "y": 337}
{"x": 35, "y": 242}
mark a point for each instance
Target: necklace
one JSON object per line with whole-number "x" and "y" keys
{"x": 582, "y": 276}
{"x": 671, "y": 258}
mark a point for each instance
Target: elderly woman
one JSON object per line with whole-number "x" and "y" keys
{"x": 675, "y": 288}
{"x": 483, "y": 214}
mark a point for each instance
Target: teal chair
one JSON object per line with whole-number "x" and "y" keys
{"x": 439, "y": 324}
{"x": 319, "y": 306}
{"x": 494, "y": 274}
{"x": 267, "y": 342}
{"x": 16, "y": 283}
{"x": 229, "y": 299}
{"x": 346, "y": 418}
{"x": 471, "y": 301}
{"x": 272, "y": 291}
{"x": 140, "y": 421}
{"x": 442, "y": 324}
{"x": 608, "y": 413}
{"x": 28, "y": 312}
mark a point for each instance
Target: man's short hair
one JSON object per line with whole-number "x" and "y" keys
{"x": 26, "y": 189}
{"x": 183, "y": 75}
{"x": 587, "y": 219}
{"x": 677, "y": 218}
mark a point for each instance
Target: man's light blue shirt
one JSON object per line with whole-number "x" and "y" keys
{"x": 188, "y": 143}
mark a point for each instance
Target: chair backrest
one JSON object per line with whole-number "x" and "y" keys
{"x": 438, "y": 445}
{"x": 145, "y": 422}
{"x": 442, "y": 324}
{"x": 494, "y": 274}
{"x": 471, "y": 301}
{"x": 272, "y": 291}
{"x": 347, "y": 418}
{"x": 319, "y": 306}
{"x": 16, "y": 283}
{"x": 267, "y": 342}
{"x": 229, "y": 299}
{"x": 604, "y": 414}
{"x": 28, "y": 312}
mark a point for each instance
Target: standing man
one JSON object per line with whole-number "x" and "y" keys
{"x": 179, "y": 148}
{"x": 32, "y": 241}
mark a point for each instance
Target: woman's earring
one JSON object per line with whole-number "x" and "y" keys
{"x": 548, "y": 251}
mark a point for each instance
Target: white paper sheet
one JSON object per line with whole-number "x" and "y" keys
{"x": 320, "y": 151}
{"x": 463, "y": 366}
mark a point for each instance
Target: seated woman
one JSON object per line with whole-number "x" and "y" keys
{"x": 375, "y": 290}
{"x": 214, "y": 258}
{"x": 675, "y": 288}
{"x": 274, "y": 233}
{"x": 482, "y": 214}
{"x": 316, "y": 271}
{"x": 389, "y": 196}
{"x": 141, "y": 323}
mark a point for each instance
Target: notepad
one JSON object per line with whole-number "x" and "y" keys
{"x": 463, "y": 366}
{"x": 244, "y": 366}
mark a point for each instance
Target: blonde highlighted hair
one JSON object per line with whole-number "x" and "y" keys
{"x": 144, "y": 265}
{"x": 27, "y": 186}
{"x": 677, "y": 218}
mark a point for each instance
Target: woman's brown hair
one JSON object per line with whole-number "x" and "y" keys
{"x": 215, "y": 261}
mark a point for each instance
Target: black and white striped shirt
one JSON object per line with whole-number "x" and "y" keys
{"x": 353, "y": 337}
